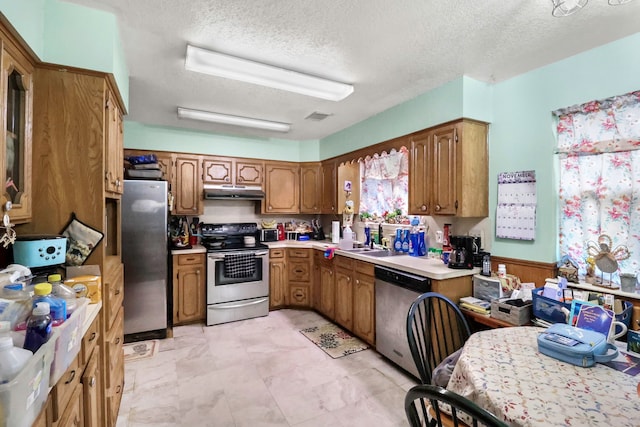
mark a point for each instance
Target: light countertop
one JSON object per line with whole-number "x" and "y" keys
{"x": 422, "y": 266}
{"x": 195, "y": 249}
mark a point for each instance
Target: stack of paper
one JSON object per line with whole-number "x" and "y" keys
{"x": 476, "y": 305}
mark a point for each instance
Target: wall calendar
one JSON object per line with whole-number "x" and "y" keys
{"x": 516, "y": 211}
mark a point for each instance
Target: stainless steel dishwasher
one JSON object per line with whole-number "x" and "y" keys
{"x": 395, "y": 291}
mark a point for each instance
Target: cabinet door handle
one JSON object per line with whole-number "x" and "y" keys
{"x": 117, "y": 341}
{"x": 71, "y": 377}
{"x": 116, "y": 292}
{"x": 438, "y": 208}
{"x": 92, "y": 337}
{"x": 423, "y": 208}
{"x": 118, "y": 389}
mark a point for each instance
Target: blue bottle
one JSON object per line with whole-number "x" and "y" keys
{"x": 414, "y": 243}
{"x": 58, "y": 306}
{"x": 405, "y": 241}
{"x": 367, "y": 234}
{"x": 397, "y": 243}
{"x": 38, "y": 327}
{"x": 423, "y": 243}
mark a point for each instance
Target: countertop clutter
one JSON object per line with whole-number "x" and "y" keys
{"x": 423, "y": 266}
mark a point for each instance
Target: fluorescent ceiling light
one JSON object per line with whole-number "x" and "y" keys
{"x": 231, "y": 67}
{"x": 207, "y": 116}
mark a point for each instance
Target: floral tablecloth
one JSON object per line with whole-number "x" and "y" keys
{"x": 502, "y": 371}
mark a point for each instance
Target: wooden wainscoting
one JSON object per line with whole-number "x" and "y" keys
{"x": 527, "y": 271}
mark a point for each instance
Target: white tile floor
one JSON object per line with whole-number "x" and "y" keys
{"x": 260, "y": 372}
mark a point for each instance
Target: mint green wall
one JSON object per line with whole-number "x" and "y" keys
{"x": 477, "y": 100}
{"x": 522, "y": 130}
{"x": 27, "y": 17}
{"x": 73, "y": 35}
{"x": 436, "y": 106}
{"x": 143, "y": 137}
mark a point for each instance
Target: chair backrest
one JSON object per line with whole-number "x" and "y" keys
{"x": 436, "y": 328}
{"x": 421, "y": 405}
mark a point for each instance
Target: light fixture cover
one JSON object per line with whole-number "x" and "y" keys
{"x": 567, "y": 7}
{"x": 207, "y": 116}
{"x": 231, "y": 67}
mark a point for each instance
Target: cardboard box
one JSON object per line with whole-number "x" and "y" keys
{"x": 510, "y": 313}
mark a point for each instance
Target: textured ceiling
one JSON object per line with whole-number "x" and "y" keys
{"x": 390, "y": 51}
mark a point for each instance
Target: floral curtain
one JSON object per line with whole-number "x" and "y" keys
{"x": 599, "y": 149}
{"x": 385, "y": 182}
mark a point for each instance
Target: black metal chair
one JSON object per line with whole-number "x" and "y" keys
{"x": 436, "y": 328}
{"x": 422, "y": 409}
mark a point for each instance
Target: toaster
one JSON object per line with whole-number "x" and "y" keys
{"x": 269, "y": 235}
{"x": 39, "y": 250}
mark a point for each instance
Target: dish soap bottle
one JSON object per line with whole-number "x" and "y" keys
{"x": 397, "y": 243}
{"x": 414, "y": 244}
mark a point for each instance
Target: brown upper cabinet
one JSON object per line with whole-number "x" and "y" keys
{"x": 328, "y": 171}
{"x": 16, "y": 96}
{"x": 113, "y": 176}
{"x": 232, "y": 171}
{"x": 310, "y": 188}
{"x": 282, "y": 188}
{"x": 448, "y": 174}
{"x": 188, "y": 186}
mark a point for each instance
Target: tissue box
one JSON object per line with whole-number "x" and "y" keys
{"x": 510, "y": 313}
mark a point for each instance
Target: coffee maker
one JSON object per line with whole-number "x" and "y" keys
{"x": 462, "y": 251}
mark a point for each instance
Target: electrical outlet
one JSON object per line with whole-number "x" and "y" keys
{"x": 438, "y": 236}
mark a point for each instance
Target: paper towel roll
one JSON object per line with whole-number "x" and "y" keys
{"x": 335, "y": 231}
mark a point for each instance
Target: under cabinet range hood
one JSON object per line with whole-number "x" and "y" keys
{"x": 233, "y": 192}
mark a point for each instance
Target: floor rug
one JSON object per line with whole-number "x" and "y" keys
{"x": 334, "y": 341}
{"x": 140, "y": 350}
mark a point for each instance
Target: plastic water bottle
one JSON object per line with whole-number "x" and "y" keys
{"x": 12, "y": 359}
{"x": 58, "y": 306}
{"x": 38, "y": 327}
{"x": 63, "y": 291}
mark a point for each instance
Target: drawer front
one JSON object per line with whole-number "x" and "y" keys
{"x": 343, "y": 262}
{"x": 113, "y": 351}
{"x": 114, "y": 294}
{"x": 299, "y": 271}
{"x": 63, "y": 389}
{"x": 364, "y": 268}
{"x": 90, "y": 340}
{"x": 299, "y": 296}
{"x": 190, "y": 259}
{"x": 298, "y": 253}
{"x": 276, "y": 253}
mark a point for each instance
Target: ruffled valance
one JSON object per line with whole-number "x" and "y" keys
{"x": 606, "y": 126}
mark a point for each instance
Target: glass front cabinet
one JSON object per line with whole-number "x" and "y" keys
{"x": 15, "y": 140}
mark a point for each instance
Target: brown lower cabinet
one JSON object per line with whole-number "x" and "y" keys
{"x": 189, "y": 288}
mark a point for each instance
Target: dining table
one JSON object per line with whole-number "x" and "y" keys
{"x": 502, "y": 371}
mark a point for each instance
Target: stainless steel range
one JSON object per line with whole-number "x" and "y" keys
{"x": 237, "y": 272}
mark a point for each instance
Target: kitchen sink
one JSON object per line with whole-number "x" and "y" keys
{"x": 383, "y": 253}
{"x": 374, "y": 252}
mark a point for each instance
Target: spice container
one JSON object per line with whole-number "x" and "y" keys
{"x": 502, "y": 270}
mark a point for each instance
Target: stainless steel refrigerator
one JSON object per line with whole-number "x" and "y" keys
{"x": 145, "y": 257}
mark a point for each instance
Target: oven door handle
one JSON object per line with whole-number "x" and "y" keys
{"x": 221, "y": 256}
{"x": 245, "y": 304}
